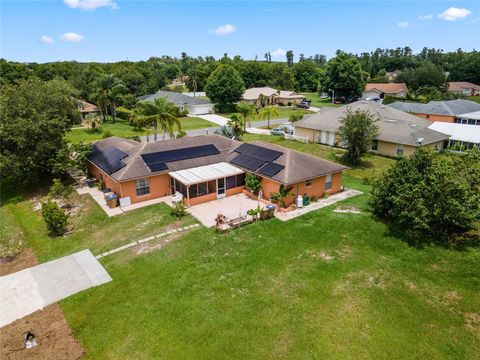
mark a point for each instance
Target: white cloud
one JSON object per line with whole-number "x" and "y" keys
{"x": 278, "y": 53}
{"x": 453, "y": 14}
{"x": 403, "y": 24}
{"x": 46, "y": 39}
{"x": 72, "y": 37}
{"x": 224, "y": 29}
{"x": 426, "y": 17}
{"x": 90, "y": 4}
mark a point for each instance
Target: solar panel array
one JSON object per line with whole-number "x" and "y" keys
{"x": 258, "y": 158}
{"x": 109, "y": 158}
{"x": 157, "y": 161}
{"x": 258, "y": 152}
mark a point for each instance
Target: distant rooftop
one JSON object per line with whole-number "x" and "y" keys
{"x": 446, "y": 108}
{"x": 175, "y": 98}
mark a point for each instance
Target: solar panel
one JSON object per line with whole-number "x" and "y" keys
{"x": 258, "y": 152}
{"x": 108, "y": 158}
{"x": 248, "y": 162}
{"x": 157, "y": 166}
{"x": 270, "y": 169}
{"x": 158, "y": 159}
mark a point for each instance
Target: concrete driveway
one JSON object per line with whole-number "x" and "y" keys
{"x": 29, "y": 290}
{"x": 214, "y": 118}
{"x": 231, "y": 206}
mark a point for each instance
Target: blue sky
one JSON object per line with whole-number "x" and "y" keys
{"x": 112, "y": 30}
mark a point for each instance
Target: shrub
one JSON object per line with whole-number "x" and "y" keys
{"x": 431, "y": 195}
{"x": 107, "y": 134}
{"x": 253, "y": 183}
{"x": 59, "y": 190}
{"x": 295, "y": 117}
{"x": 123, "y": 113}
{"x": 55, "y": 218}
{"x": 179, "y": 210}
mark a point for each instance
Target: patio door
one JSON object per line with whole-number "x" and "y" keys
{"x": 221, "y": 188}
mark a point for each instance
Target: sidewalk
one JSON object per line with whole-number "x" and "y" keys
{"x": 285, "y": 216}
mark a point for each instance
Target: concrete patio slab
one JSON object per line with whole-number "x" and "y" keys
{"x": 29, "y": 290}
{"x": 285, "y": 216}
{"x": 230, "y": 206}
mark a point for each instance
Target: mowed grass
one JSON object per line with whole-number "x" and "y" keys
{"x": 283, "y": 113}
{"x": 122, "y": 128}
{"x": 89, "y": 227}
{"x": 317, "y": 101}
{"x": 474, "y": 98}
{"x": 372, "y": 165}
{"x": 325, "y": 285}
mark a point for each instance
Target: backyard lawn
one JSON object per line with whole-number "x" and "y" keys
{"x": 122, "y": 128}
{"x": 324, "y": 285}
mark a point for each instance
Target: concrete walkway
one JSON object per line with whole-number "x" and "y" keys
{"x": 99, "y": 198}
{"x": 29, "y": 290}
{"x": 285, "y": 216}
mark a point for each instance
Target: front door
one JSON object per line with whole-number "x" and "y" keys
{"x": 221, "y": 188}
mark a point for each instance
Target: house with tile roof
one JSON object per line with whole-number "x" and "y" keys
{"x": 379, "y": 90}
{"x": 193, "y": 105}
{"x": 464, "y": 88}
{"x": 446, "y": 111}
{"x": 271, "y": 97}
{"x": 86, "y": 108}
{"x": 400, "y": 133}
{"x": 208, "y": 167}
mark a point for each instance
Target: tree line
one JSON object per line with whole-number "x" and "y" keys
{"x": 300, "y": 74}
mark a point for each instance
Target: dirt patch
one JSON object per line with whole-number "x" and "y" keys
{"x": 53, "y": 335}
{"x": 24, "y": 259}
{"x": 52, "y": 332}
{"x": 473, "y": 322}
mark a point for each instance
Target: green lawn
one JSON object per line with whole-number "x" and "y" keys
{"x": 323, "y": 286}
{"x": 122, "y": 128}
{"x": 316, "y": 101}
{"x": 283, "y": 113}
{"x": 266, "y": 291}
{"x": 474, "y": 98}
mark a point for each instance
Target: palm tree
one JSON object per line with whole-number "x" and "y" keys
{"x": 237, "y": 123}
{"x": 263, "y": 100}
{"x": 93, "y": 122}
{"x": 108, "y": 89}
{"x": 248, "y": 112}
{"x": 267, "y": 113}
{"x": 159, "y": 113}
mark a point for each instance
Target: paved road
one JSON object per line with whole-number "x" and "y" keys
{"x": 211, "y": 130}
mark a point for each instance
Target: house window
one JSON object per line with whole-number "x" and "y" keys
{"x": 309, "y": 183}
{"x": 230, "y": 182}
{"x": 374, "y": 145}
{"x": 240, "y": 179}
{"x": 328, "y": 182}
{"x": 142, "y": 186}
{"x": 399, "y": 150}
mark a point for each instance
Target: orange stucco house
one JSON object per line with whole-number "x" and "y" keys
{"x": 205, "y": 168}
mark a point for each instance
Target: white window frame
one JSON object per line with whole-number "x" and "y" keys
{"x": 401, "y": 148}
{"x": 142, "y": 184}
{"x": 328, "y": 182}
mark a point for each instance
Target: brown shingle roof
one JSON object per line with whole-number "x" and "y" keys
{"x": 387, "y": 88}
{"x": 461, "y": 85}
{"x": 86, "y": 107}
{"x": 298, "y": 166}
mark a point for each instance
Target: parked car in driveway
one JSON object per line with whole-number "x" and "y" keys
{"x": 282, "y": 130}
{"x": 304, "y": 104}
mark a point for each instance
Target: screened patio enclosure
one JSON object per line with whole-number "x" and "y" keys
{"x": 205, "y": 183}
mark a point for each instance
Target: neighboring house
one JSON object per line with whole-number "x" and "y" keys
{"x": 471, "y": 118}
{"x": 205, "y": 168}
{"x": 465, "y": 135}
{"x": 86, "y": 108}
{"x": 464, "y": 88}
{"x": 273, "y": 97}
{"x": 178, "y": 81}
{"x": 399, "y": 133}
{"x": 446, "y": 111}
{"x": 379, "y": 90}
{"x": 194, "y": 105}
{"x": 392, "y": 75}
